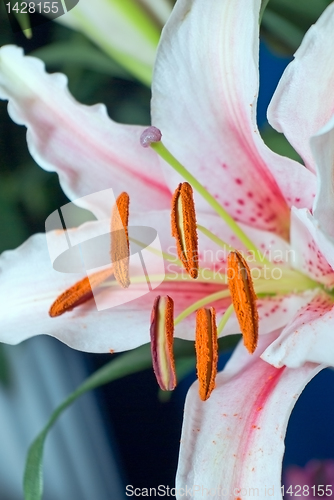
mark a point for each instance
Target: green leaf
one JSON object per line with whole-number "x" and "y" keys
{"x": 279, "y": 144}
{"x": 5, "y": 369}
{"x": 79, "y": 53}
{"x": 124, "y": 364}
{"x": 299, "y": 11}
{"x": 264, "y": 4}
{"x": 23, "y": 19}
{"x": 285, "y": 31}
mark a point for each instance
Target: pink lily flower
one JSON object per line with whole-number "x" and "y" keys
{"x": 314, "y": 481}
{"x": 204, "y": 95}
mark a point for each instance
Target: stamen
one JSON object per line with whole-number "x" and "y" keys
{"x": 184, "y": 228}
{"x": 206, "y": 351}
{"x": 243, "y": 298}
{"x": 201, "y": 303}
{"x": 162, "y": 336}
{"x": 78, "y": 293}
{"x": 151, "y": 134}
{"x": 153, "y": 138}
{"x": 120, "y": 240}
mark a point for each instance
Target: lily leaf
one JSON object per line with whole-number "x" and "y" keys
{"x": 284, "y": 30}
{"x": 23, "y": 19}
{"x": 79, "y": 52}
{"x": 264, "y": 4}
{"x": 277, "y": 142}
{"x": 125, "y": 364}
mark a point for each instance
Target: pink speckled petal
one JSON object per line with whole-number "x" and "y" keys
{"x": 304, "y": 100}
{"x": 204, "y": 102}
{"x": 274, "y": 312}
{"x": 88, "y": 150}
{"x": 309, "y": 337}
{"x": 313, "y": 250}
{"x": 235, "y": 439}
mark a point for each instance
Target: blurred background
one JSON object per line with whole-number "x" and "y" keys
{"x": 124, "y": 433}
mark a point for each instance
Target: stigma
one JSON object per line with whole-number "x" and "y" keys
{"x": 150, "y": 135}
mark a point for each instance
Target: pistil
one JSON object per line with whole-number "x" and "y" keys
{"x": 152, "y": 137}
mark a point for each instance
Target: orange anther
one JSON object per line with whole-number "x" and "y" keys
{"x": 120, "y": 240}
{"x": 78, "y": 293}
{"x": 243, "y": 298}
{"x": 206, "y": 351}
{"x": 162, "y": 338}
{"x": 184, "y": 228}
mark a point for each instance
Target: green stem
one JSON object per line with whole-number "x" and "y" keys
{"x": 173, "y": 162}
{"x": 201, "y": 303}
{"x": 174, "y": 260}
{"x": 215, "y": 238}
{"x": 226, "y": 316}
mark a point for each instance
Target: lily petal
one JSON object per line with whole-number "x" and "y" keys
{"x": 236, "y": 438}
{"x": 29, "y": 285}
{"x": 206, "y": 111}
{"x": 88, "y": 150}
{"x": 312, "y": 248}
{"x": 304, "y": 101}
{"x": 309, "y": 337}
{"x": 322, "y": 146}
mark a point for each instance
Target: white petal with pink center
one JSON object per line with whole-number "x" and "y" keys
{"x": 29, "y": 285}
{"x": 322, "y": 145}
{"x": 29, "y": 268}
{"x": 233, "y": 443}
{"x": 88, "y": 150}
{"x": 312, "y": 249}
{"x": 308, "y": 337}
{"x": 206, "y": 109}
{"x": 304, "y": 100}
